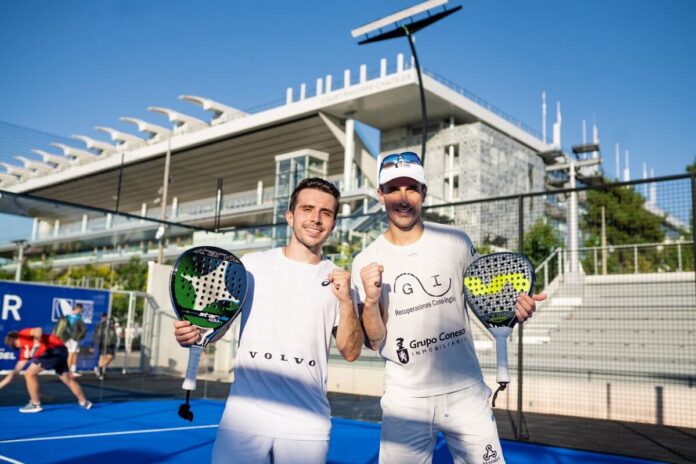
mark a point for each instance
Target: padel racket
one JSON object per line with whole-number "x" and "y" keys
{"x": 492, "y": 284}
{"x": 207, "y": 286}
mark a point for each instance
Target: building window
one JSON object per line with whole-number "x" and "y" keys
{"x": 451, "y": 185}
{"x": 452, "y": 156}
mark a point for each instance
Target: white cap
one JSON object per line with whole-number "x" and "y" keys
{"x": 411, "y": 170}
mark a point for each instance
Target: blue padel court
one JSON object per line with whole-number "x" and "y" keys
{"x": 151, "y": 432}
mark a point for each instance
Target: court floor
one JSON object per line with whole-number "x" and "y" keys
{"x": 151, "y": 432}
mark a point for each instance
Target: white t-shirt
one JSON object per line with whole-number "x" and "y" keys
{"x": 429, "y": 349}
{"x": 279, "y": 386}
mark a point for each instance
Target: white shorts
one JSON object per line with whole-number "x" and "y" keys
{"x": 73, "y": 346}
{"x": 256, "y": 449}
{"x": 410, "y": 426}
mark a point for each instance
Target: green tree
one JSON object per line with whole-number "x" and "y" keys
{"x": 131, "y": 276}
{"x": 90, "y": 272}
{"x": 692, "y": 167}
{"x": 43, "y": 273}
{"x": 627, "y": 222}
{"x": 434, "y": 216}
{"x": 540, "y": 241}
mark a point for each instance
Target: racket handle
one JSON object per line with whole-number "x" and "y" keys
{"x": 501, "y": 335}
{"x": 192, "y": 369}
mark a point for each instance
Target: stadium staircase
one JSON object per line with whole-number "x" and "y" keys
{"x": 637, "y": 323}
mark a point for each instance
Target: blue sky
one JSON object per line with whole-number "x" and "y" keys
{"x": 630, "y": 64}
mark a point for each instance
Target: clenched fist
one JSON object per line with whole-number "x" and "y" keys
{"x": 340, "y": 284}
{"x": 371, "y": 276}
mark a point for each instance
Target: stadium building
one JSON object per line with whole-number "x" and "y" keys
{"x": 233, "y": 171}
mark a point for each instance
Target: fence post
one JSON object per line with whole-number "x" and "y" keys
{"x": 693, "y": 220}
{"x": 635, "y": 259}
{"x": 128, "y": 334}
{"x": 679, "y": 256}
{"x": 595, "y": 260}
{"x": 560, "y": 262}
{"x": 521, "y": 423}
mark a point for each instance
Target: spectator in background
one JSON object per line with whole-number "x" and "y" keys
{"x": 41, "y": 352}
{"x": 75, "y": 334}
{"x": 105, "y": 339}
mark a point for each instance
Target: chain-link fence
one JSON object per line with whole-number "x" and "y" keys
{"x": 614, "y": 342}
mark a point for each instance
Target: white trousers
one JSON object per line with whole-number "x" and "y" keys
{"x": 410, "y": 426}
{"x": 235, "y": 447}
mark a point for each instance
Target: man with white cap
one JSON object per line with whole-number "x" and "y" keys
{"x": 409, "y": 283}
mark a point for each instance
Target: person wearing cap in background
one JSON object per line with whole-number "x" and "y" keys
{"x": 410, "y": 294}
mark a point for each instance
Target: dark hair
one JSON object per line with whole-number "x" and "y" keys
{"x": 316, "y": 183}
{"x": 11, "y": 337}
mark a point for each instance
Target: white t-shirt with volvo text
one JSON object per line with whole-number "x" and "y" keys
{"x": 280, "y": 375}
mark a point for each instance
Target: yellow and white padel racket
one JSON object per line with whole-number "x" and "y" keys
{"x": 492, "y": 284}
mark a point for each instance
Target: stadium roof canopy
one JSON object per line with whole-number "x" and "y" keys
{"x": 241, "y": 148}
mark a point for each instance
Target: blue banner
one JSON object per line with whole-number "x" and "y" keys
{"x": 24, "y": 305}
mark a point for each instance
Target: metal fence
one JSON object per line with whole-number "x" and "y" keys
{"x": 615, "y": 341}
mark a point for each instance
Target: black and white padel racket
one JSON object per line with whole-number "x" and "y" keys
{"x": 492, "y": 284}
{"x": 207, "y": 286}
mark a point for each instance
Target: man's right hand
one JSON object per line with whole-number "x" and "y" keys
{"x": 186, "y": 334}
{"x": 371, "y": 276}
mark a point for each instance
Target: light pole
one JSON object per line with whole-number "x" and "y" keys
{"x": 572, "y": 165}
{"x": 404, "y": 24}
{"x": 20, "y": 258}
{"x": 163, "y": 204}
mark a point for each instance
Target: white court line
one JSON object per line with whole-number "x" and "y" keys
{"x": 107, "y": 434}
{"x": 10, "y": 460}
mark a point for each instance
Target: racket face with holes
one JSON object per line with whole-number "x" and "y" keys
{"x": 492, "y": 284}
{"x": 208, "y": 286}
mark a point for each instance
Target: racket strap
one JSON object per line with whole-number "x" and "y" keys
{"x": 185, "y": 411}
{"x": 501, "y": 387}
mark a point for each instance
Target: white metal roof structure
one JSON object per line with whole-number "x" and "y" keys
{"x": 240, "y": 147}
{"x": 58, "y": 160}
{"x": 221, "y": 113}
{"x": 102, "y": 147}
{"x": 76, "y": 155}
{"x": 7, "y": 180}
{"x": 20, "y": 173}
{"x": 182, "y": 122}
{"x": 38, "y": 167}
{"x": 122, "y": 139}
{"x": 155, "y": 133}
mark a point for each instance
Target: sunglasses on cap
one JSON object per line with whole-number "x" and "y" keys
{"x": 400, "y": 159}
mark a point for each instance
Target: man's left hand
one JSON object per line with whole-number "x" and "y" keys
{"x": 526, "y": 305}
